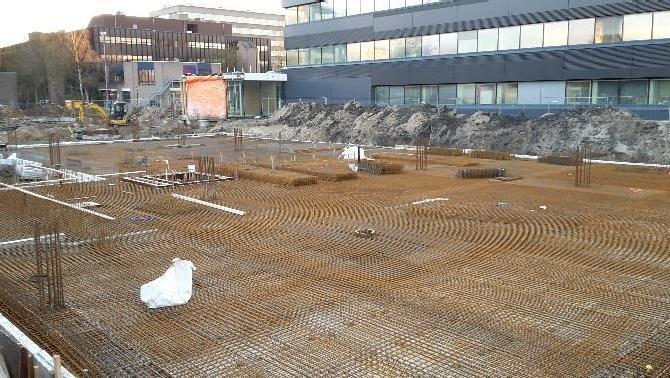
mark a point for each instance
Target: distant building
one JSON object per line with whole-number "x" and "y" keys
{"x": 244, "y": 23}
{"x": 8, "y": 89}
{"x": 119, "y": 38}
{"x": 145, "y": 83}
{"x": 478, "y": 53}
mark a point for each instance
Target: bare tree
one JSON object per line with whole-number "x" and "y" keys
{"x": 80, "y": 45}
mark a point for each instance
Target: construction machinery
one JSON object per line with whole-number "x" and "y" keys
{"x": 118, "y": 115}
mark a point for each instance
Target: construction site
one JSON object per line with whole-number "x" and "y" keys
{"x": 323, "y": 259}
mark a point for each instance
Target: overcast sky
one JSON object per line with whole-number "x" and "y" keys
{"x": 20, "y": 17}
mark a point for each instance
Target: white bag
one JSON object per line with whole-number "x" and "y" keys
{"x": 173, "y": 288}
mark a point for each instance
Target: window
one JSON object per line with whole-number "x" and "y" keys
{"x": 659, "y": 92}
{"x": 340, "y": 53}
{"x": 368, "y": 50}
{"x": 382, "y": 95}
{"x": 430, "y": 45}
{"x": 315, "y": 12}
{"x": 633, "y": 92}
{"x": 353, "y": 7}
{"x": 380, "y": 5}
{"x": 327, "y": 9}
{"x": 411, "y": 3}
{"x": 508, "y": 38}
{"x": 413, "y": 95}
{"x": 467, "y": 41}
{"x": 661, "y": 25}
{"x": 315, "y": 55}
{"x": 581, "y": 31}
{"x": 578, "y": 92}
{"x": 292, "y": 58}
{"x": 367, "y": 6}
{"x": 292, "y": 16}
{"x": 303, "y": 14}
{"x": 397, "y": 48}
{"x": 340, "y": 8}
{"x": 532, "y": 36}
{"x": 466, "y": 94}
{"x": 413, "y": 47}
{"x": 609, "y": 29}
{"x": 393, "y": 4}
{"x": 397, "y": 95}
{"x": 605, "y": 92}
{"x": 353, "y": 52}
{"x": 449, "y": 43}
{"x": 429, "y": 94}
{"x": 303, "y": 56}
{"x": 637, "y": 27}
{"x": 486, "y": 94}
{"x": 487, "y": 40}
{"x": 447, "y": 94}
{"x": 556, "y": 33}
{"x": 327, "y": 55}
{"x": 508, "y": 93}
{"x": 382, "y": 49}
{"x": 147, "y": 76}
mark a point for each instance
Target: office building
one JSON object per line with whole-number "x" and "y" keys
{"x": 243, "y": 23}
{"x": 479, "y": 52}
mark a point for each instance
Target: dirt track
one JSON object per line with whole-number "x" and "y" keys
{"x": 462, "y": 287}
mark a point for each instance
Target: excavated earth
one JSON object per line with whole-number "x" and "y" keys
{"x": 615, "y": 134}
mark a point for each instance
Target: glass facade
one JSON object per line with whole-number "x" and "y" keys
{"x": 509, "y": 38}
{"x": 328, "y": 54}
{"x": 609, "y": 29}
{"x": 578, "y": 92}
{"x": 605, "y": 92}
{"x": 581, "y": 31}
{"x": 413, "y": 95}
{"x": 659, "y": 92}
{"x": 466, "y": 93}
{"x": 507, "y": 93}
{"x": 563, "y": 33}
{"x": 367, "y": 51}
{"x": 382, "y": 49}
{"x": 661, "y": 25}
{"x": 556, "y": 34}
{"x": 413, "y": 47}
{"x": 467, "y": 42}
{"x": 581, "y": 92}
{"x": 429, "y": 94}
{"x": 430, "y": 45}
{"x": 447, "y": 94}
{"x": 397, "y": 48}
{"x": 637, "y": 27}
{"x": 315, "y": 55}
{"x": 449, "y": 43}
{"x": 532, "y": 36}
{"x": 342, "y": 8}
{"x": 633, "y": 92}
{"x": 353, "y": 52}
{"x": 487, "y": 40}
{"x": 397, "y": 95}
{"x": 486, "y": 94}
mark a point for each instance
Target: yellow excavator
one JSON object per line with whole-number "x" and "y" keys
{"x": 118, "y": 116}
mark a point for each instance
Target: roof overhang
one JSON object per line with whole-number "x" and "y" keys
{"x": 293, "y": 3}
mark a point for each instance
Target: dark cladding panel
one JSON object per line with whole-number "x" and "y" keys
{"x": 481, "y": 69}
{"x": 393, "y": 22}
{"x": 396, "y": 73}
{"x": 529, "y": 6}
{"x": 535, "y": 66}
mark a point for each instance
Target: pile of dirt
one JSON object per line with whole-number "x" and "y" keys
{"x": 615, "y": 133}
{"x": 151, "y": 116}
